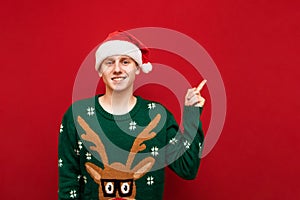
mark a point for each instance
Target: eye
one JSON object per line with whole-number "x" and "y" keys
{"x": 126, "y": 62}
{"x": 125, "y": 188}
{"x": 108, "y": 62}
{"x": 109, "y": 188}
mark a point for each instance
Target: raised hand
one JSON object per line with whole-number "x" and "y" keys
{"x": 193, "y": 96}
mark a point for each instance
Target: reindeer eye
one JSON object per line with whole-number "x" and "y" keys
{"x": 109, "y": 188}
{"x": 125, "y": 188}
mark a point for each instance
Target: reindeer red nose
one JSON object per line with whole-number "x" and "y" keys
{"x": 118, "y": 198}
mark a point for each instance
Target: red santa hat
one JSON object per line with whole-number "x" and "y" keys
{"x": 123, "y": 43}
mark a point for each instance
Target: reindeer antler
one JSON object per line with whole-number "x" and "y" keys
{"x": 143, "y": 136}
{"x": 93, "y": 137}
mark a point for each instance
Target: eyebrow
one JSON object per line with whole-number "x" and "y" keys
{"x": 120, "y": 56}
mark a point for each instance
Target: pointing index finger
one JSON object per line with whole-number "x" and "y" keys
{"x": 200, "y": 86}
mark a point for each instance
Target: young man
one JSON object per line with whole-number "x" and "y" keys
{"x": 116, "y": 145}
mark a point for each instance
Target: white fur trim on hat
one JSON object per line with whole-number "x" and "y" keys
{"x": 146, "y": 67}
{"x": 118, "y": 47}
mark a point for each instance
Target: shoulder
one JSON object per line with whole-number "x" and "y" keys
{"x": 84, "y": 105}
{"x": 150, "y": 104}
{"x": 154, "y": 107}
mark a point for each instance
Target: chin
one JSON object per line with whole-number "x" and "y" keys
{"x": 118, "y": 88}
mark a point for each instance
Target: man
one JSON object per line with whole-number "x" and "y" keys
{"x": 116, "y": 145}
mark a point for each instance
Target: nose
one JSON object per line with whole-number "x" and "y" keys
{"x": 117, "y": 67}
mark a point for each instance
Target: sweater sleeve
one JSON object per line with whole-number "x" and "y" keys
{"x": 184, "y": 149}
{"x": 68, "y": 160}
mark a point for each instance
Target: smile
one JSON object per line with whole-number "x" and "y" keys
{"x": 119, "y": 78}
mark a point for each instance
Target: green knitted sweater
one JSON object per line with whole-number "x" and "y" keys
{"x": 101, "y": 156}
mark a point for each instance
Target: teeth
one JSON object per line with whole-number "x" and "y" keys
{"x": 118, "y": 78}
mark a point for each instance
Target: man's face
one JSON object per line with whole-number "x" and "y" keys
{"x": 118, "y": 72}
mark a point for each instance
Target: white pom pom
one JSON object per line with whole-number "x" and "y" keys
{"x": 146, "y": 67}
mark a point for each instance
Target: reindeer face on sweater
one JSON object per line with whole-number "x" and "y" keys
{"x": 117, "y": 181}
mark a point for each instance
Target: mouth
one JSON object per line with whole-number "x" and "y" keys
{"x": 118, "y": 78}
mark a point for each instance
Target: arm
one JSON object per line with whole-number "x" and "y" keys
{"x": 68, "y": 160}
{"x": 184, "y": 150}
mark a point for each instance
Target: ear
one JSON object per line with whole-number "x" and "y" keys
{"x": 100, "y": 73}
{"x": 94, "y": 171}
{"x": 138, "y": 70}
{"x": 143, "y": 167}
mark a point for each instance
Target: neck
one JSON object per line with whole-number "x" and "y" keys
{"x": 117, "y": 103}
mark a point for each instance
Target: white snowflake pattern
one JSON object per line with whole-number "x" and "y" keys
{"x": 151, "y": 106}
{"x": 200, "y": 146}
{"x": 73, "y": 194}
{"x": 79, "y": 144}
{"x": 154, "y": 151}
{"x": 77, "y": 152}
{"x": 90, "y": 111}
{"x": 132, "y": 125}
{"x": 61, "y": 128}
{"x": 200, "y": 149}
{"x": 173, "y": 141}
{"x": 88, "y": 156}
{"x": 84, "y": 178}
{"x": 186, "y": 144}
{"x": 150, "y": 180}
{"x": 60, "y": 162}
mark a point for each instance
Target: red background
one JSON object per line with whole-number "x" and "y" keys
{"x": 254, "y": 44}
